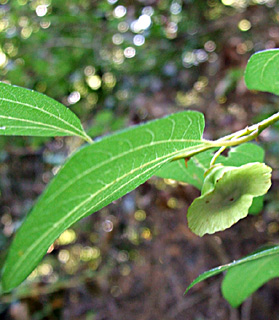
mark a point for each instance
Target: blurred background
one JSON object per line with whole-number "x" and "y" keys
{"x": 116, "y": 64}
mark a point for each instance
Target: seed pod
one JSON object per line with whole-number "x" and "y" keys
{"x": 226, "y": 196}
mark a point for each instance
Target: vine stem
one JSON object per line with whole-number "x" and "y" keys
{"x": 234, "y": 139}
{"x": 216, "y": 155}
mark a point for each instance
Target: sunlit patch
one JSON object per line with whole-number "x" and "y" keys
{"x": 138, "y": 40}
{"x": 23, "y": 21}
{"x": 142, "y": 23}
{"x": 148, "y": 11}
{"x": 41, "y": 10}
{"x": 122, "y": 94}
{"x": 117, "y": 39}
{"x": 45, "y": 24}
{"x": 123, "y": 256}
{"x": 74, "y": 97}
{"x": 94, "y": 82}
{"x": 132, "y": 235}
{"x": 125, "y": 270}
{"x": 63, "y": 256}
{"x": 228, "y": 2}
{"x": 171, "y": 182}
{"x": 26, "y": 32}
{"x": 89, "y": 71}
{"x": 4, "y": 23}
{"x": 210, "y": 46}
{"x": 175, "y": 8}
{"x": 109, "y": 79}
{"x": 194, "y": 58}
{"x": 123, "y": 26}
{"x": 146, "y": 234}
{"x": 3, "y": 59}
{"x": 89, "y": 253}
{"x": 118, "y": 56}
{"x": 107, "y": 225}
{"x": 244, "y": 25}
{"x": 129, "y": 52}
{"x": 45, "y": 269}
{"x": 68, "y": 236}
{"x": 119, "y": 12}
{"x": 172, "y": 203}
{"x": 140, "y": 215}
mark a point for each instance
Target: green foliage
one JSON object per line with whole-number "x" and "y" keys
{"x": 253, "y": 258}
{"x": 227, "y": 195}
{"x": 262, "y": 71}
{"x": 104, "y": 171}
{"x": 242, "y": 280}
{"x": 197, "y": 165}
{"x": 95, "y": 176}
{"x": 29, "y": 113}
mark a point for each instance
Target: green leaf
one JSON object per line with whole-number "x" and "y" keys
{"x": 262, "y": 71}
{"x": 257, "y": 205}
{"x": 241, "y": 281}
{"x": 251, "y": 258}
{"x": 199, "y": 164}
{"x": 94, "y": 177}
{"x": 227, "y": 195}
{"x": 28, "y": 113}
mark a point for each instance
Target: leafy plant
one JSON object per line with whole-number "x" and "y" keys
{"x": 103, "y": 171}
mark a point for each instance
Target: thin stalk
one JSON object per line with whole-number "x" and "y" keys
{"x": 234, "y": 139}
{"x": 87, "y": 138}
{"x": 216, "y": 155}
{"x": 263, "y": 125}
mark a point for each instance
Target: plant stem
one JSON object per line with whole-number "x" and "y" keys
{"x": 87, "y": 138}
{"x": 234, "y": 139}
{"x": 262, "y": 125}
{"x": 216, "y": 155}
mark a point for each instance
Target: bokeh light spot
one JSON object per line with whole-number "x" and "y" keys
{"x": 244, "y": 25}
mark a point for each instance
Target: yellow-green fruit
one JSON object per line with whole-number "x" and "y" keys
{"x": 227, "y": 194}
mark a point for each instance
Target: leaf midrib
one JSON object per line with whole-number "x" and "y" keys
{"x": 47, "y": 126}
{"x": 265, "y": 66}
{"x": 86, "y": 172}
{"x": 75, "y": 129}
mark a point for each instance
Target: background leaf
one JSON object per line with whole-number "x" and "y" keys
{"x": 94, "y": 177}
{"x": 241, "y": 281}
{"x": 251, "y": 258}
{"x": 262, "y": 71}
{"x": 28, "y": 113}
{"x": 197, "y": 165}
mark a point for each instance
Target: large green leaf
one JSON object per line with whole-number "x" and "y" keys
{"x": 94, "y": 177}
{"x": 251, "y": 258}
{"x": 242, "y": 280}
{"x": 262, "y": 71}
{"x": 28, "y": 113}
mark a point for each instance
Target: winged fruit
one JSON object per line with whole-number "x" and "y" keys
{"x": 226, "y": 196}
